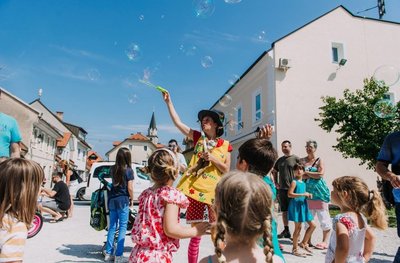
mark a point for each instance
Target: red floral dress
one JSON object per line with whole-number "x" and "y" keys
{"x": 151, "y": 243}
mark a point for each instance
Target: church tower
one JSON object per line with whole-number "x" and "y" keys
{"x": 152, "y": 131}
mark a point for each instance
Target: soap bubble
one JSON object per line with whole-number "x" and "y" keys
{"x": 388, "y": 74}
{"x": 261, "y": 36}
{"x": 232, "y": 80}
{"x": 132, "y": 99}
{"x": 133, "y": 52}
{"x": 385, "y": 109}
{"x": 225, "y": 101}
{"x": 232, "y": 1}
{"x": 203, "y": 8}
{"x": 141, "y": 17}
{"x": 93, "y": 74}
{"x": 207, "y": 62}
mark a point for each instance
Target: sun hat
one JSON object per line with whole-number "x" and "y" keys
{"x": 217, "y": 116}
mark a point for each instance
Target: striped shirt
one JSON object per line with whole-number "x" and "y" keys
{"x": 13, "y": 236}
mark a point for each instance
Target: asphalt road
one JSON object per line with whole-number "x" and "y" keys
{"x": 73, "y": 240}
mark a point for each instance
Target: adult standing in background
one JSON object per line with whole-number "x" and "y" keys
{"x": 390, "y": 154}
{"x": 284, "y": 174}
{"x": 182, "y": 165}
{"x": 10, "y": 136}
{"x": 71, "y": 183}
{"x": 316, "y": 185}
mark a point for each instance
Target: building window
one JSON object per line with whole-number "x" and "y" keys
{"x": 257, "y": 112}
{"x": 130, "y": 147}
{"x": 239, "y": 119}
{"x": 145, "y": 148}
{"x": 337, "y": 52}
{"x": 79, "y": 154}
{"x": 144, "y": 163}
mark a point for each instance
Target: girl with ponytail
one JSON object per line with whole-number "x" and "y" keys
{"x": 243, "y": 205}
{"x": 353, "y": 240}
{"x": 156, "y": 231}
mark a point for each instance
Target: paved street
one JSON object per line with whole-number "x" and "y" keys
{"x": 73, "y": 240}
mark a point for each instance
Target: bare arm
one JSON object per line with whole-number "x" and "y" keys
{"x": 292, "y": 194}
{"x": 369, "y": 244}
{"x": 342, "y": 243}
{"x": 383, "y": 170}
{"x": 15, "y": 150}
{"x": 173, "y": 229}
{"x": 223, "y": 167}
{"x": 175, "y": 117}
{"x": 49, "y": 192}
{"x": 68, "y": 176}
{"x": 130, "y": 190}
{"x": 319, "y": 173}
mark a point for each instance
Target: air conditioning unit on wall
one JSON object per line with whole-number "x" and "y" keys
{"x": 285, "y": 63}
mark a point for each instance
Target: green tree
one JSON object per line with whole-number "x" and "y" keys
{"x": 360, "y": 131}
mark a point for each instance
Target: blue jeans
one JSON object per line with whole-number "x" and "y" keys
{"x": 118, "y": 217}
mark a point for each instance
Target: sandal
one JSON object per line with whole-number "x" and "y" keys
{"x": 321, "y": 246}
{"x": 297, "y": 253}
{"x": 56, "y": 220}
{"x": 309, "y": 252}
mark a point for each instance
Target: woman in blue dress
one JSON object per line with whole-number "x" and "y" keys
{"x": 298, "y": 212}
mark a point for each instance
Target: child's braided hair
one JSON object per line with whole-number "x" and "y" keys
{"x": 243, "y": 204}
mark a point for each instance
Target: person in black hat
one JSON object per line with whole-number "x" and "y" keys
{"x": 211, "y": 159}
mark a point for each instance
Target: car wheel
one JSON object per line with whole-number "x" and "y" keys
{"x": 80, "y": 194}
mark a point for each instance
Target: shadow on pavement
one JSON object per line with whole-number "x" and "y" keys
{"x": 85, "y": 251}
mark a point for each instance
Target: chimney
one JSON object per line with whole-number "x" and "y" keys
{"x": 60, "y": 115}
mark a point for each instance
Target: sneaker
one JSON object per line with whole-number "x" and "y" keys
{"x": 284, "y": 234}
{"x": 119, "y": 259}
{"x": 108, "y": 257}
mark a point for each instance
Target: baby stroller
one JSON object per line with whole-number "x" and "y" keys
{"x": 131, "y": 218}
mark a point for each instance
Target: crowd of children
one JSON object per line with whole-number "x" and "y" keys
{"x": 236, "y": 208}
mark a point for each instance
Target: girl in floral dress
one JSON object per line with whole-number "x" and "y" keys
{"x": 352, "y": 240}
{"x": 157, "y": 231}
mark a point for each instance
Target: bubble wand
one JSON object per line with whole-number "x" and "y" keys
{"x": 148, "y": 83}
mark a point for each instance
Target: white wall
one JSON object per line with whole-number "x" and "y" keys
{"x": 367, "y": 45}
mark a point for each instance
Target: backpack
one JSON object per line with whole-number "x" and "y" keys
{"x": 98, "y": 214}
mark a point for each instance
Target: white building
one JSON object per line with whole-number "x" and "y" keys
{"x": 38, "y": 136}
{"x": 285, "y": 85}
{"x": 70, "y": 146}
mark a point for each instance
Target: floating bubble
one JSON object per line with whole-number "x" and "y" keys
{"x": 385, "y": 109}
{"x": 262, "y": 36}
{"x": 132, "y": 99}
{"x": 191, "y": 51}
{"x": 388, "y": 74}
{"x": 162, "y": 16}
{"x": 207, "y": 62}
{"x": 233, "y": 79}
{"x": 231, "y": 125}
{"x": 232, "y": 1}
{"x": 133, "y": 52}
{"x": 203, "y": 8}
{"x": 141, "y": 17}
{"x": 93, "y": 74}
{"x": 225, "y": 101}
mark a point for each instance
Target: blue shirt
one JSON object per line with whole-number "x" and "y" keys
{"x": 9, "y": 133}
{"x": 390, "y": 153}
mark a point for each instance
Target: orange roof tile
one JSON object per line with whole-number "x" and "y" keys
{"x": 116, "y": 143}
{"x": 138, "y": 137}
{"x": 160, "y": 145}
{"x": 62, "y": 142}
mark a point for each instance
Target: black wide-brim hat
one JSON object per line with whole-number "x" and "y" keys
{"x": 217, "y": 116}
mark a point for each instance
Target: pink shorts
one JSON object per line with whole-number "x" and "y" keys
{"x": 199, "y": 212}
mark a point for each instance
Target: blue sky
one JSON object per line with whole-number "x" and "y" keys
{"x": 76, "y": 52}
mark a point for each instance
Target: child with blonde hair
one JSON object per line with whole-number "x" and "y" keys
{"x": 298, "y": 211}
{"x": 20, "y": 182}
{"x": 353, "y": 240}
{"x": 156, "y": 231}
{"x": 243, "y": 205}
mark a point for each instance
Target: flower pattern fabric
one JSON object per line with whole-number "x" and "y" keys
{"x": 356, "y": 239}
{"x": 151, "y": 243}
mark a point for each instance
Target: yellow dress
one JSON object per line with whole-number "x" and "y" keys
{"x": 202, "y": 187}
